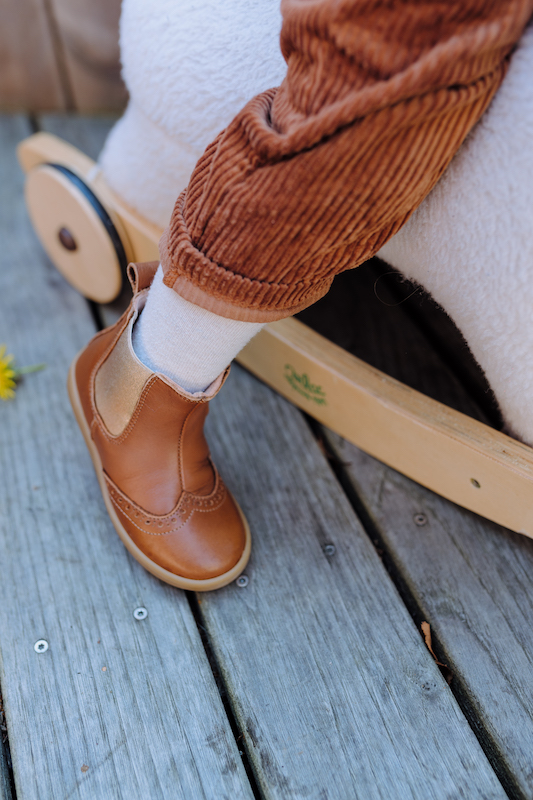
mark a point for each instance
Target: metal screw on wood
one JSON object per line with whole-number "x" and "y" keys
{"x": 140, "y": 613}
{"x": 242, "y": 581}
{"x": 41, "y": 646}
{"x": 420, "y": 519}
{"x": 475, "y": 483}
{"x": 329, "y": 549}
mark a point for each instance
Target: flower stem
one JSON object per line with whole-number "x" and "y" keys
{"x": 25, "y": 370}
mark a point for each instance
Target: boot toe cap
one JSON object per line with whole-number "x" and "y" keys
{"x": 200, "y": 542}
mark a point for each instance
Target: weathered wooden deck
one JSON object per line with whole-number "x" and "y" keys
{"x": 314, "y": 680}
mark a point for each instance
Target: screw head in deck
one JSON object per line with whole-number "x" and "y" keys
{"x": 41, "y": 646}
{"x": 242, "y": 581}
{"x": 420, "y": 519}
{"x": 329, "y": 549}
{"x": 140, "y": 613}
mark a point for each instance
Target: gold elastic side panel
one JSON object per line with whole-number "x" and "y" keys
{"x": 118, "y": 384}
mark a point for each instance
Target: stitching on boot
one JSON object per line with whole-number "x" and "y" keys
{"x": 186, "y": 506}
{"x": 180, "y": 451}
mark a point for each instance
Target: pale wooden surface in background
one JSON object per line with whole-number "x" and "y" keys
{"x": 60, "y": 55}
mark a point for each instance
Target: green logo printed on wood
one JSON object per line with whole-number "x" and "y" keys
{"x": 303, "y": 385}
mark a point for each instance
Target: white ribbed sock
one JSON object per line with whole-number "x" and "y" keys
{"x": 188, "y": 344}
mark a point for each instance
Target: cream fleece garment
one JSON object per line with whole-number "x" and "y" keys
{"x": 189, "y": 68}
{"x": 470, "y": 243}
{"x": 186, "y": 343}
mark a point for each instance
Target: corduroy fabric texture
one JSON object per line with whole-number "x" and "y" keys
{"x": 313, "y": 177}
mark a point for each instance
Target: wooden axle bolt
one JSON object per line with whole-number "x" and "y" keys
{"x": 76, "y": 231}
{"x": 67, "y": 239}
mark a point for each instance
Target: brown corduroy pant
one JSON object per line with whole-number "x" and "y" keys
{"x": 313, "y": 177}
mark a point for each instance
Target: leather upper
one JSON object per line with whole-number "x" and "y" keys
{"x": 162, "y": 484}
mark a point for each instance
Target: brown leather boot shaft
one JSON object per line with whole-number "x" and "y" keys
{"x": 146, "y": 459}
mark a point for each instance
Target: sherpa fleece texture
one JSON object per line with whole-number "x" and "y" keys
{"x": 314, "y": 177}
{"x": 471, "y": 242}
{"x": 189, "y": 68}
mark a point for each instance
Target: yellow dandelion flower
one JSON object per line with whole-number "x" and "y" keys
{"x": 7, "y": 375}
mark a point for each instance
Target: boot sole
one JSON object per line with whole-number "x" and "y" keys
{"x": 163, "y": 574}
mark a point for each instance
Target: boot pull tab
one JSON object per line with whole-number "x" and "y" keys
{"x": 141, "y": 274}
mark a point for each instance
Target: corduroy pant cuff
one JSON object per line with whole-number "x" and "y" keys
{"x": 213, "y": 287}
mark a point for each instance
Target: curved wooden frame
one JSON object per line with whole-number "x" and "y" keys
{"x": 455, "y": 456}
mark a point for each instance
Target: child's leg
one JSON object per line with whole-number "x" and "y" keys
{"x": 190, "y": 345}
{"x": 314, "y": 177}
{"x": 306, "y": 181}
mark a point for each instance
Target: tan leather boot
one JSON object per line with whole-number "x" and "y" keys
{"x": 145, "y": 436}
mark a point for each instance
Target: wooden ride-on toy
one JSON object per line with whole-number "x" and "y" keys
{"x": 91, "y": 234}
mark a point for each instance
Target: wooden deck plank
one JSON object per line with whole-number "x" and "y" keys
{"x": 468, "y": 577}
{"x": 332, "y": 684}
{"x": 473, "y": 582}
{"x": 134, "y": 701}
{"x": 85, "y": 131}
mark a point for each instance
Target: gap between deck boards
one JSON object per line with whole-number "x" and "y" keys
{"x": 490, "y": 748}
{"x": 99, "y": 320}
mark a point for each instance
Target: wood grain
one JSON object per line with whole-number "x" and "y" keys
{"x": 470, "y": 579}
{"x": 473, "y": 582}
{"x": 29, "y": 76}
{"x": 89, "y": 37}
{"x": 334, "y": 688}
{"x": 458, "y": 457}
{"x": 116, "y": 708}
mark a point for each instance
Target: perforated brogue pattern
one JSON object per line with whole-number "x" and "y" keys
{"x": 160, "y": 525}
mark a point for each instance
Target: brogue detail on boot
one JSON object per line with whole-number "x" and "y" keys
{"x": 145, "y": 435}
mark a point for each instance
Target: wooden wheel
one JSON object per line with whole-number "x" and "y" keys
{"x": 76, "y": 231}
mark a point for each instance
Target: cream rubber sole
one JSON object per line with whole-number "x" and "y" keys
{"x": 159, "y": 572}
